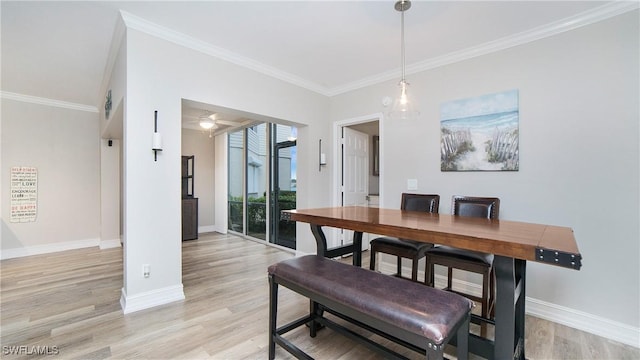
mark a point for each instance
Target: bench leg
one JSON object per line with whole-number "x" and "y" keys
{"x": 462, "y": 340}
{"x": 314, "y": 311}
{"x": 435, "y": 352}
{"x": 273, "y": 309}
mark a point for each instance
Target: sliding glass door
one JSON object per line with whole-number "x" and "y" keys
{"x": 262, "y": 170}
{"x": 284, "y": 189}
{"x": 256, "y": 180}
{"x": 235, "y": 199}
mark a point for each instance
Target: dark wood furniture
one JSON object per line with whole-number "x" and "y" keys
{"x": 512, "y": 243}
{"x": 406, "y": 248}
{"x": 189, "y": 218}
{"x": 471, "y": 261}
{"x": 189, "y": 202}
{"x": 419, "y": 317}
{"x": 187, "y": 175}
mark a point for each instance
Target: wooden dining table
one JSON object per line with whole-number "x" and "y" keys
{"x": 513, "y": 243}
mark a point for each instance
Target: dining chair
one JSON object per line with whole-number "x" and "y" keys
{"x": 406, "y": 248}
{"x": 472, "y": 261}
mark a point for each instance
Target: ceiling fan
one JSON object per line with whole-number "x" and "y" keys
{"x": 212, "y": 121}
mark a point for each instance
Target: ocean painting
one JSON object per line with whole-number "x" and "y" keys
{"x": 480, "y": 133}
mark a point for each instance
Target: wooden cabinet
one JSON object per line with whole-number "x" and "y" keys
{"x": 189, "y": 203}
{"x": 187, "y": 176}
{"x": 189, "y": 218}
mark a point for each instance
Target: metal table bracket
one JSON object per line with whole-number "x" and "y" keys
{"x": 554, "y": 257}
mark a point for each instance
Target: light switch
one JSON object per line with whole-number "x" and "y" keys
{"x": 412, "y": 184}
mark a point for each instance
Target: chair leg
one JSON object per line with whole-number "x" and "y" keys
{"x": 428, "y": 269}
{"x": 372, "y": 260}
{"x": 485, "y": 301}
{"x": 449, "y": 278}
{"x": 414, "y": 269}
{"x": 399, "y": 266}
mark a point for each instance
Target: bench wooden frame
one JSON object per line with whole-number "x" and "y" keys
{"x": 320, "y": 304}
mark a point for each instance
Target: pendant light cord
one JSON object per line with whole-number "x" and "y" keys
{"x": 402, "y": 42}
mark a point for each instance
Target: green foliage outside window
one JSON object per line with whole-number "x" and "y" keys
{"x": 256, "y": 213}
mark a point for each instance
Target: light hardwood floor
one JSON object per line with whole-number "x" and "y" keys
{"x": 68, "y": 303}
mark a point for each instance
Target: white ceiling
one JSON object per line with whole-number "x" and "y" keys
{"x": 59, "y": 50}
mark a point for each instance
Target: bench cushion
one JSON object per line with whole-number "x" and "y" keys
{"x": 422, "y": 310}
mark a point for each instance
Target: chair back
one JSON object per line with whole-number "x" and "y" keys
{"x": 484, "y": 207}
{"x": 420, "y": 202}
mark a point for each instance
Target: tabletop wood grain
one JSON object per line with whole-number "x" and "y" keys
{"x": 514, "y": 239}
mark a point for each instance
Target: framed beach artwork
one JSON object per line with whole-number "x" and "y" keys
{"x": 480, "y": 133}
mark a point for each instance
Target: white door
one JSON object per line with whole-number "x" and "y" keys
{"x": 355, "y": 186}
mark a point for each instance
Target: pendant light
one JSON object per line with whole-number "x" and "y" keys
{"x": 403, "y": 106}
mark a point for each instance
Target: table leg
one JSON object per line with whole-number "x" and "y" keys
{"x": 321, "y": 240}
{"x": 510, "y": 311}
{"x": 321, "y": 245}
{"x": 357, "y": 248}
{"x": 321, "y": 250}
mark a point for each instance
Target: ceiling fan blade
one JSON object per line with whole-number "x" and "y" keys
{"x": 227, "y": 122}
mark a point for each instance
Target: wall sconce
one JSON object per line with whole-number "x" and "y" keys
{"x": 322, "y": 159}
{"x": 156, "y": 141}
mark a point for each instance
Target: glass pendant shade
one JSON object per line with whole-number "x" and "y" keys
{"x": 404, "y": 106}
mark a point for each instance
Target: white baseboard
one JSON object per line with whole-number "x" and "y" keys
{"x": 220, "y": 229}
{"x": 206, "y": 229}
{"x": 48, "y": 248}
{"x": 108, "y": 244}
{"x": 590, "y": 323}
{"x": 576, "y": 319}
{"x": 150, "y": 299}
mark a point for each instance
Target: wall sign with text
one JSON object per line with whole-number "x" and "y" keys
{"x": 24, "y": 194}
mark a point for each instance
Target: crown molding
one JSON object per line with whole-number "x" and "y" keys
{"x": 47, "y": 102}
{"x": 150, "y": 28}
{"x": 583, "y": 19}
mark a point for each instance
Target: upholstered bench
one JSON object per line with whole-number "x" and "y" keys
{"x": 419, "y": 317}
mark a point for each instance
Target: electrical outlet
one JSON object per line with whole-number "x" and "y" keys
{"x": 412, "y": 184}
{"x": 146, "y": 272}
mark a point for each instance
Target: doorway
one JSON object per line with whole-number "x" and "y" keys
{"x": 351, "y": 175}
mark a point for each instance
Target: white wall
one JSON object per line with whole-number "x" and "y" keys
{"x": 111, "y": 162}
{"x": 110, "y": 198}
{"x": 579, "y": 154}
{"x": 152, "y": 191}
{"x": 199, "y": 143}
{"x": 64, "y": 146}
